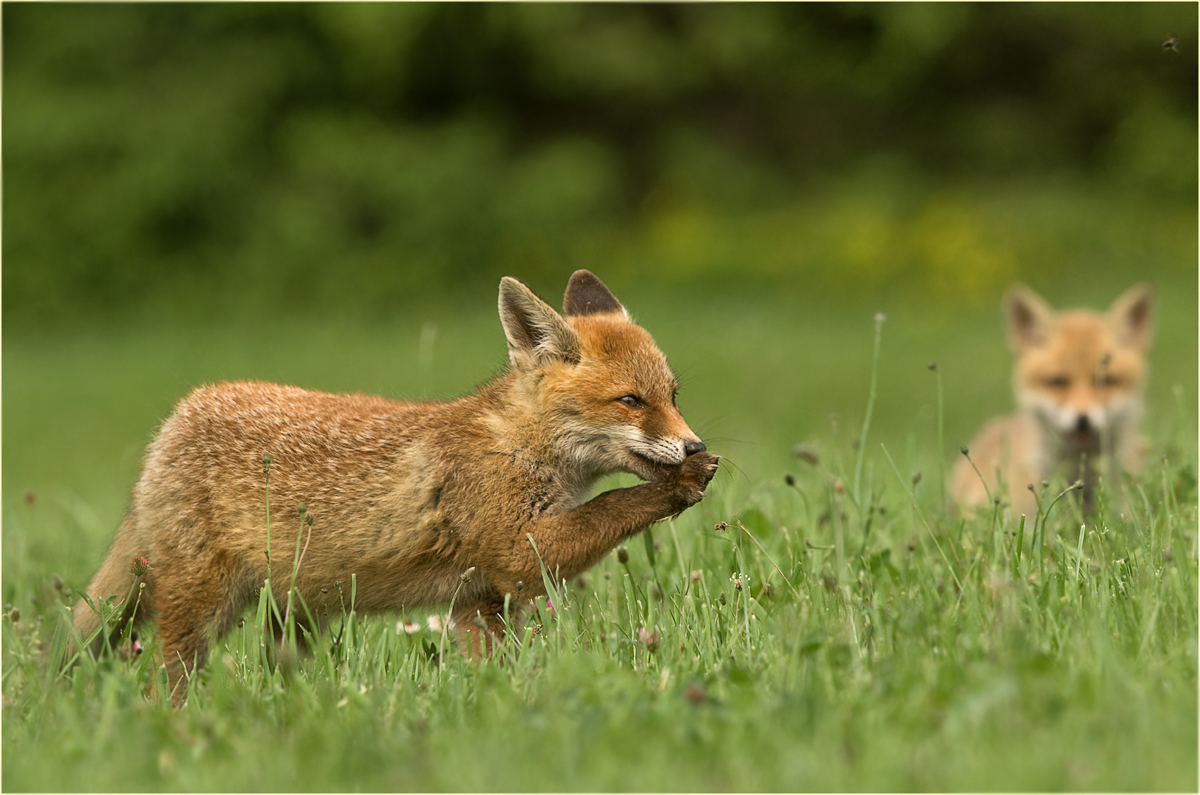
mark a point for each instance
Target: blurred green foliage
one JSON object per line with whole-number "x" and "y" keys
{"x": 216, "y": 159}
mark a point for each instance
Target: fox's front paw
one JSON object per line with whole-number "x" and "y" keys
{"x": 689, "y": 481}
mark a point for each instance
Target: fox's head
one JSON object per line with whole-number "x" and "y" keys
{"x": 601, "y": 390}
{"x": 1080, "y": 373}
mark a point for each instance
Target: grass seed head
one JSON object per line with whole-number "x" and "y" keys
{"x": 806, "y": 453}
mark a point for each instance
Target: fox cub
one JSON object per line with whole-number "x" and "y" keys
{"x": 1078, "y": 380}
{"x": 409, "y": 496}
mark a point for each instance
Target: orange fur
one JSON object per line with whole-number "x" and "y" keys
{"x": 408, "y": 496}
{"x": 1078, "y": 379}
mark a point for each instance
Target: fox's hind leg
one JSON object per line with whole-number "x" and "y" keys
{"x": 120, "y": 578}
{"x": 194, "y": 607}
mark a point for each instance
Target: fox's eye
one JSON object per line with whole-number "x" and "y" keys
{"x": 630, "y": 401}
{"x": 1108, "y": 379}
{"x": 1057, "y": 382}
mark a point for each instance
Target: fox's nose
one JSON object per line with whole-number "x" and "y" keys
{"x": 1083, "y": 424}
{"x": 694, "y": 447}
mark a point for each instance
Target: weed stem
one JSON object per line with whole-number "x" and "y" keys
{"x": 862, "y": 438}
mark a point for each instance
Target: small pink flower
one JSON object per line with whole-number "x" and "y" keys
{"x": 139, "y": 566}
{"x": 649, "y": 639}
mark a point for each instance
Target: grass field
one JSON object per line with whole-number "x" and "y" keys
{"x": 842, "y": 631}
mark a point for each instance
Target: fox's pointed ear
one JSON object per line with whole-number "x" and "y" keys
{"x": 1131, "y": 316}
{"x": 1027, "y": 317}
{"x": 587, "y": 295}
{"x": 535, "y": 332}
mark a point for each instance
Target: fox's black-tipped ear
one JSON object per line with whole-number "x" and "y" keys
{"x": 1027, "y": 316}
{"x": 587, "y": 295}
{"x": 535, "y": 332}
{"x": 1131, "y": 315}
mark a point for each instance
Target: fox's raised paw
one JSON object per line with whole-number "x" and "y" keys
{"x": 693, "y": 477}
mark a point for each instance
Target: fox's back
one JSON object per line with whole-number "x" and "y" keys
{"x": 339, "y": 455}
{"x": 223, "y": 431}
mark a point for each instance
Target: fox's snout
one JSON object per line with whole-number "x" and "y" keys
{"x": 667, "y": 439}
{"x": 660, "y": 450}
{"x": 1082, "y": 415}
{"x": 1082, "y": 428}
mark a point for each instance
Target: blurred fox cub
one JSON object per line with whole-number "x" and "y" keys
{"x": 1078, "y": 380}
{"x": 407, "y": 497}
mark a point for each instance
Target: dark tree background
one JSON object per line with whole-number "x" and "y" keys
{"x": 241, "y": 158}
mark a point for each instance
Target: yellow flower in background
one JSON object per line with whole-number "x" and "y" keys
{"x": 949, "y": 243}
